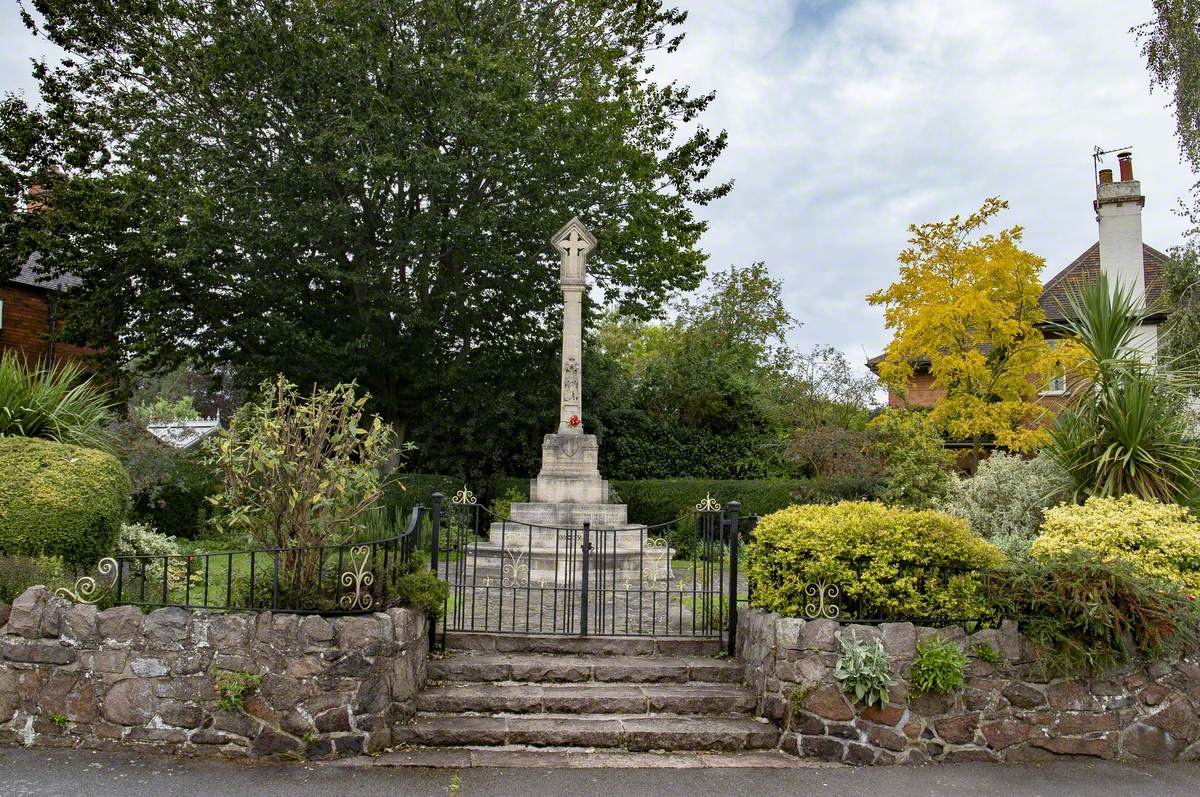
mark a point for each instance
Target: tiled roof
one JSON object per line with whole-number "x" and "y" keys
{"x": 29, "y": 275}
{"x": 1086, "y": 267}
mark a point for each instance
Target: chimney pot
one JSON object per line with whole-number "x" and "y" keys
{"x": 1125, "y": 159}
{"x": 1106, "y": 175}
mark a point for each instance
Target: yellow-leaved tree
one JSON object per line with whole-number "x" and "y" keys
{"x": 966, "y": 307}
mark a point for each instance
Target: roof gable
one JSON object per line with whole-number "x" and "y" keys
{"x": 1086, "y": 267}
{"x": 31, "y": 276}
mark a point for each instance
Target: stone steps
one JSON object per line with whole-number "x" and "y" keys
{"x": 590, "y": 645}
{"x": 587, "y": 698}
{"x": 580, "y": 694}
{"x": 614, "y": 731}
{"x": 542, "y": 668}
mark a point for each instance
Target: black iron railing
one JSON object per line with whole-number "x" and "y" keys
{"x": 353, "y": 577}
{"x": 517, "y": 576}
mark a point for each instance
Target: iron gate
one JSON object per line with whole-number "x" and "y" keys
{"x": 671, "y": 579}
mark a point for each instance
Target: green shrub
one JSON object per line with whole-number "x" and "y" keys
{"x": 1007, "y": 497}
{"x": 939, "y": 667}
{"x": 985, "y": 652}
{"x": 19, "y": 573}
{"x": 171, "y": 488}
{"x": 889, "y": 563}
{"x": 916, "y": 464}
{"x": 298, "y": 470}
{"x": 60, "y": 500}
{"x": 502, "y": 506}
{"x": 232, "y": 688}
{"x": 1161, "y": 540}
{"x": 137, "y": 539}
{"x": 1090, "y": 615}
{"x": 424, "y": 591}
{"x": 862, "y": 670}
{"x": 833, "y": 452}
{"x": 1134, "y": 429}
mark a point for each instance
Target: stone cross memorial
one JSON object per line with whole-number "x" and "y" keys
{"x": 569, "y": 491}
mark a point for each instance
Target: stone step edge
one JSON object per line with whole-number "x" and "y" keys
{"x": 633, "y": 733}
{"x": 742, "y": 719}
{"x": 593, "y": 645}
{"x": 519, "y": 756}
{"x": 449, "y": 683}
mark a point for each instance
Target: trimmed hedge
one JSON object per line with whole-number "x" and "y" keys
{"x": 888, "y": 563}
{"x": 60, "y": 500}
{"x": 656, "y": 501}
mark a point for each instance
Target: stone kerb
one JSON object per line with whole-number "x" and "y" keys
{"x": 1005, "y": 712}
{"x": 75, "y": 676}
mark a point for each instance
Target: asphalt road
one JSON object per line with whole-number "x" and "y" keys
{"x": 51, "y": 773}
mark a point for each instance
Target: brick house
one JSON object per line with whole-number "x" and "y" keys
{"x": 30, "y": 319}
{"x": 1120, "y": 253}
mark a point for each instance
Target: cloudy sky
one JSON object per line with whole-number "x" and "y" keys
{"x": 850, "y": 120}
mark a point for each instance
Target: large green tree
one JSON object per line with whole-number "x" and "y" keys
{"x": 361, "y": 190}
{"x": 1171, "y": 45}
{"x": 709, "y": 393}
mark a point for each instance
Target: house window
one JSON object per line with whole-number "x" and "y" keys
{"x": 1057, "y": 386}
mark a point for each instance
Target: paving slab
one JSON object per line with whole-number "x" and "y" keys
{"x": 518, "y": 757}
{"x": 80, "y": 773}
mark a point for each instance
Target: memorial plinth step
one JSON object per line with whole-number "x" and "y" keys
{"x": 570, "y": 515}
{"x": 562, "y": 563}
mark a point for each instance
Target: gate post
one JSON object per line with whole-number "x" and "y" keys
{"x": 734, "y": 508}
{"x": 583, "y": 597}
{"x": 435, "y": 538}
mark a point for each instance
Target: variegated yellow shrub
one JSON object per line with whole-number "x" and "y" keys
{"x": 885, "y": 562}
{"x": 1162, "y": 540}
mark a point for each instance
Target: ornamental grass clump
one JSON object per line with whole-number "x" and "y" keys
{"x": 888, "y": 563}
{"x": 61, "y": 403}
{"x": 939, "y": 667}
{"x": 1159, "y": 540}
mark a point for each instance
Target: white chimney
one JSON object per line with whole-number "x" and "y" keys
{"x": 1119, "y": 213}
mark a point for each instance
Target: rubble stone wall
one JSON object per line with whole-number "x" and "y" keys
{"x": 75, "y": 676}
{"x": 1006, "y": 711}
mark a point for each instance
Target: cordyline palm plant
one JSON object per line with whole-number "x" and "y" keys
{"x": 59, "y": 403}
{"x": 1129, "y": 427}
